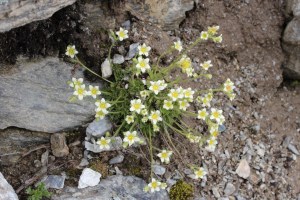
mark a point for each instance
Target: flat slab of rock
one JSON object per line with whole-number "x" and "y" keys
{"x": 15, "y": 13}
{"x": 89, "y": 178}
{"x": 34, "y": 95}
{"x": 114, "y": 187}
{"x": 6, "y": 191}
{"x": 99, "y": 127}
{"x": 54, "y": 181}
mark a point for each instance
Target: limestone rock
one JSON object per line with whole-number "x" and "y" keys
{"x": 106, "y": 69}
{"x": 167, "y": 13}
{"x": 116, "y": 144}
{"x": 89, "y": 178}
{"x": 54, "y": 181}
{"x": 6, "y": 191}
{"x": 98, "y": 128}
{"x": 36, "y": 97}
{"x": 58, "y": 145}
{"x": 243, "y": 169}
{"x": 113, "y": 187}
{"x": 15, "y": 13}
{"x": 293, "y": 7}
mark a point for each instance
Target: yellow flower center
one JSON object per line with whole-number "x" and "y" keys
{"x": 185, "y": 64}
{"x": 122, "y": 34}
{"x": 137, "y": 106}
{"x": 154, "y": 184}
{"x": 154, "y": 116}
{"x": 143, "y": 64}
{"x": 212, "y": 30}
{"x": 216, "y": 114}
{"x": 102, "y": 105}
{"x": 155, "y": 87}
{"x": 211, "y": 142}
{"x": 144, "y": 49}
{"x": 71, "y": 51}
{"x": 164, "y": 155}
{"x": 199, "y": 173}
{"x": 202, "y": 114}
{"x": 215, "y": 133}
{"x": 228, "y": 87}
{"x": 103, "y": 142}
{"x": 80, "y": 91}
{"x": 175, "y": 94}
{"x": 94, "y": 91}
{"x": 130, "y": 137}
{"x": 169, "y": 104}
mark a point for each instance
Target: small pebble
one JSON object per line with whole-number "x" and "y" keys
{"x": 243, "y": 169}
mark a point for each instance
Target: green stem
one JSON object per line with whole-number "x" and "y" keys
{"x": 120, "y": 127}
{"x": 151, "y": 152}
{"x": 91, "y": 71}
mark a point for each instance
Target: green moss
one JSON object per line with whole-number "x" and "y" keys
{"x": 181, "y": 191}
{"x": 133, "y": 166}
{"x": 99, "y": 166}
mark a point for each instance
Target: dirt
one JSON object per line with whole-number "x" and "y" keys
{"x": 250, "y": 55}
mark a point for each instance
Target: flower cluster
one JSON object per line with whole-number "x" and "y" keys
{"x": 150, "y": 102}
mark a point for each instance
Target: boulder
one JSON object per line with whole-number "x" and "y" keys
{"x": 6, "y": 191}
{"x": 15, "y": 13}
{"x": 167, "y": 14}
{"x": 114, "y": 187}
{"x": 34, "y": 95}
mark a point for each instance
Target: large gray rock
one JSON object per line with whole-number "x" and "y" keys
{"x": 114, "y": 187}
{"x": 34, "y": 95}
{"x": 15, "y": 13}
{"x": 6, "y": 191}
{"x": 167, "y": 13}
{"x": 293, "y": 7}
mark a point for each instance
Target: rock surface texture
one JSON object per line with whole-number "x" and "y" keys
{"x": 166, "y": 13}
{"x": 34, "y": 95}
{"x": 291, "y": 41}
{"x": 15, "y": 13}
{"x": 6, "y": 191}
{"x": 114, "y": 187}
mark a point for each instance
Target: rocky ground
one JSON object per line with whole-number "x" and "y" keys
{"x": 258, "y": 153}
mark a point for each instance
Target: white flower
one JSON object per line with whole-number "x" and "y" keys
{"x": 94, "y": 91}
{"x": 188, "y": 94}
{"x": 145, "y": 119}
{"x": 217, "y": 115}
{"x": 155, "y": 128}
{"x": 143, "y": 64}
{"x": 228, "y": 86}
{"x": 100, "y": 114}
{"x": 103, "y": 143}
{"x": 168, "y": 105}
{"x": 144, "y": 93}
{"x": 144, "y": 49}
{"x": 122, "y": 34}
{"x": 156, "y": 86}
{"x": 231, "y": 96}
{"x": 129, "y": 119}
{"x": 213, "y": 30}
{"x": 131, "y": 137}
{"x": 178, "y": 45}
{"x": 185, "y": 64}
{"x": 199, "y": 173}
{"x": 212, "y": 142}
{"x": 218, "y": 39}
{"x": 205, "y": 101}
{"x": 155, "y": 116}
{"x": 71, "y": 51}
{"x": 183, "y": 105}
{"x": 214, "y": 132}
{"x": 165, "y": 155}
{"x": 163, "y": 84}
{"x": 204, "y": 35}
{"x": 175, "y": 94}
{"x": 80, "y": 91}
{"x": 206, "y": 65}
{"x": 154, "y": 185}
{"x": 136, "y": 106}
{"x": 202, "y": 114}
{"x": 76, "y": 82}
{"x": 144, "y": 112}
{"x": 102, "y": 105}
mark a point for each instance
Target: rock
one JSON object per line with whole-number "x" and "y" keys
{"x": 293, "y": 7}
{"x": 116, "y": 160}
{"x": 254, "y": 179}
{"x": 159, "y": 170}
{"x": 44, "y": 158}
{"x": 58, "y": 145}
{"x": 54, "y": 181}
{"x": 15, "y": 13}
{"x": 106, "y": 69}
{"x": 116, "y": 144}
{"x": 89, "y": 178}
{"x": 293, "y": 149}
{"x": 243, "y": 169}
{"x": 118, "y": 59}
{"x": 291, "y": 44}
{"x": 84, "y": 162}
{"x": 126, "y": 25}
{"x": 215, "y": 192}
{"x": 133, "y": 49}
{"x": 13, "y": 142}
{"x": 36, "y": 97}
{"x": 6, "y": 191}
{"x": 98, "y": 128}
{"x": 222, "y": 128}
{"x": 229, "y": 189}
{"x": 114, "y": 187}
{"x": 167, "y": 14}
